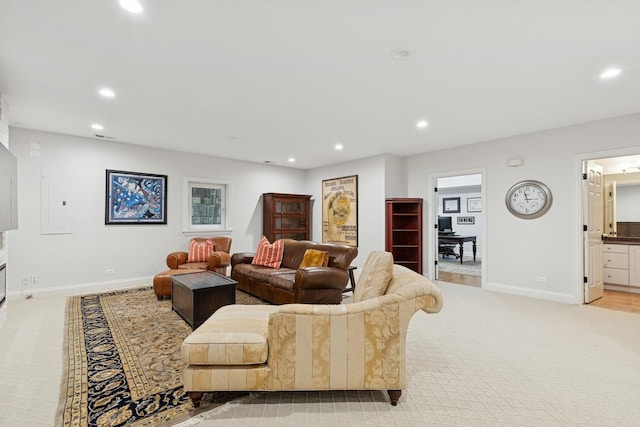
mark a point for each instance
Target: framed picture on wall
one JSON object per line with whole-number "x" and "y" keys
{"x": 474, "y": 204}
{"x": 135, "y": 198}
{"x": 451, "y": 205}
{"x": 340, "y": 210}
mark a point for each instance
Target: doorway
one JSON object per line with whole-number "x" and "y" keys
{"x": 458, "y": 224}
{"x": 611, "y": 277}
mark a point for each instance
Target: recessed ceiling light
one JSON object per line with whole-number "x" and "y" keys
{"x": 338, "y": 147}
{"x": 422, "y": 124}
{"x": 400, "y": 54}
{"x": 610, "y": 73}
{"x": 97, "y": 126}
{"x": 132, "y": 6}
{"x": 292, "y": 160}
{"x": 106, "y": 92}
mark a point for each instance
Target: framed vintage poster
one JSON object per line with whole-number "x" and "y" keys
{"x": 135, "y": 198}
{"x": 340, "y": 210}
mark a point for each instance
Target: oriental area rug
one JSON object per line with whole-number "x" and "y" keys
{"x": 122, "y": 362}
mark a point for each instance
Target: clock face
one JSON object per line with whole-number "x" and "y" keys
{"x": 528, "y": 199}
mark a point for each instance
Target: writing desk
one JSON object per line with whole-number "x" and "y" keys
{"x": 460, "y": 241}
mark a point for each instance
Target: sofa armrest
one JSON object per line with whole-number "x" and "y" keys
{"x": 175, "y": 259}
{"x": 321, "y": 278}
{"x": 242, "y": 258}
{"x": 219, "y": 259}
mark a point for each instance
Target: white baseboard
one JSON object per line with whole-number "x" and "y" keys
{"x": 83, "y": 288}
{"x": 531, "y": 293}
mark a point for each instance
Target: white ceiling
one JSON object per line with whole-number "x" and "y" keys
{"x": 266, "y": 80}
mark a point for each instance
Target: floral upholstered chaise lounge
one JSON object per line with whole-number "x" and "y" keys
{"x": 356, "y": 346}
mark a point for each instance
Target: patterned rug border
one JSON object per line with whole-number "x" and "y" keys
{"x": 74, "y": 407}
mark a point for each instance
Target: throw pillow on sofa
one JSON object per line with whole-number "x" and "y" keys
{"x": 200, "y": 252}
{"x": 375, "y": 276}
{"x": 269, "y": 254}
{"x": 315, "y": 258}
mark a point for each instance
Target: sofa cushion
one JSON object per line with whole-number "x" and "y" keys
{"x": 315, "y": 258}
{"x": 268, "y": 254}
{"x": 283, "y": 281}
{"x": 263, "y": 274}
{"x": 375, "y": 276}
{"x": 199, "y": 251}
{"x": 233, "y": 335}
{"x": 192, "y": 265}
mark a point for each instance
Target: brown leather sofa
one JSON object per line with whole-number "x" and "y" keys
{"x": 290, "y": 284}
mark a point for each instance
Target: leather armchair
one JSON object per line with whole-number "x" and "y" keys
{"x": 218, "y": 261}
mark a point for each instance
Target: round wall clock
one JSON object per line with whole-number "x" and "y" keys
{"x": 528, "y": 199}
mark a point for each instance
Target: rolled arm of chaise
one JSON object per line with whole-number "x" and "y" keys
{"x": 175, "y": 259}
{"x": 321, "y": 278}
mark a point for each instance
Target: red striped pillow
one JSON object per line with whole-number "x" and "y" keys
{"x": 269, "y": 255}
{"x": 200, "y": 252}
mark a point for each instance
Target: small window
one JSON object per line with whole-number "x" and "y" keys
{"x": 206, "y": 205}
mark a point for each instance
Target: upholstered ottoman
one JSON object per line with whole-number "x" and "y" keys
{"x": 162, "y": 281}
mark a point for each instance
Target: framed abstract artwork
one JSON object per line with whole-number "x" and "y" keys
{"x": 340, "y": 210}
{"x": 135, "y": 198}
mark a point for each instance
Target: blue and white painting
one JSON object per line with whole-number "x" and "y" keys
{"x": 136, "y": 198}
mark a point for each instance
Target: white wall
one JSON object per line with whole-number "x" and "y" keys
{"x": 515, "y": 251}
{"x": 371, "y": 200}
{"x": 518, "y": 251}
{"x": 4, "y": 140}
{"x": 4, "y": 240}
{"x": 68, "y": 262}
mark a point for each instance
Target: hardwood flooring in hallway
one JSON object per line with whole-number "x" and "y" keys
{"x": 612, "y": 300}
{"x": 618, "y": 300}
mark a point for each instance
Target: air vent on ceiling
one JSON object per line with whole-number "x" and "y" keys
{"x": 103, "y": 136}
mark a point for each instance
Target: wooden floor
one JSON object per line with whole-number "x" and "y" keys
{"x": 460, "y": 279}
{"x": 618, "y": 300}
{"x": 612, "y": 300}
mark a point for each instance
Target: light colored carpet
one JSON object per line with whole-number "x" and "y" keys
{"x": 487, "y": 359}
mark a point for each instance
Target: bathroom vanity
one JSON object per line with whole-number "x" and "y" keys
{"x": 621, "y": 263}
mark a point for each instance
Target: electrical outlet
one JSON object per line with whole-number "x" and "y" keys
{"x": 541, "y": 279}
{"x": 25, "y": 281}
{"x": 34, "y": 279}
{"x": 109, "y": 271}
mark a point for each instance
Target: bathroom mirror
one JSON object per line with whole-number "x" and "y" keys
{"x": 627, "y": 210}
{"x": 622, "y": 205}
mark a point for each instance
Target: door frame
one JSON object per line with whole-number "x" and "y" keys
{"x": 578, "y": 211}
{"x": 431, "y": 253}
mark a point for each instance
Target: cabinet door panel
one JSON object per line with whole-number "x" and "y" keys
{"x": 615, "y": 260}
{"x": 634, "y": 266}
{"x": 616, "y": 276}
{"x": 621, "y": 249}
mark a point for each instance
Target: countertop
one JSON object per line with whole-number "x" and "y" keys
{"x": 622, "y": 239}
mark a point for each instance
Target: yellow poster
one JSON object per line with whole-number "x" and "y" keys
{"x": 340, "y": 210}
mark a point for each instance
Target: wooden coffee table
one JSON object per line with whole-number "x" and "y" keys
{"x": 196, "y": 296}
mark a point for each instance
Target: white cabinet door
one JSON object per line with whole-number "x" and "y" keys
{"x": 634, "y": 266}
{"x": 615, "y": 260}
